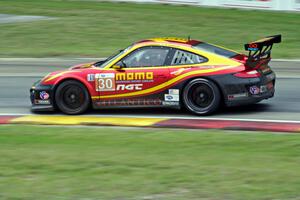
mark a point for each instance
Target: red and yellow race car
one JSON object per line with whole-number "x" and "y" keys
{"x": 162, "y": 72}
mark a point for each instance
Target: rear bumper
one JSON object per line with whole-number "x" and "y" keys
{"x": 251, "y": 99}
{"x": 242, "y": 91}
{"x": 41, "y": 97}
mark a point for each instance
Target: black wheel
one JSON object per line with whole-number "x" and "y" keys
{"x": 72, "y": 97}
{"x": 201, "y": 96}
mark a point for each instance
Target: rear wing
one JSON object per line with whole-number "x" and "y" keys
{"x": 261, "y": 48}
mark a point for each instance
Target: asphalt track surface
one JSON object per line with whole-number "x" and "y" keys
{"x": 17, "y": 76}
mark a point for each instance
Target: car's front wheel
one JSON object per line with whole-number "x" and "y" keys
{"x": 72, "y": 97}
{"x": 201, "y": 96}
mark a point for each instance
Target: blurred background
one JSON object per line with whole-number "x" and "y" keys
{"x": 91, "y": 28}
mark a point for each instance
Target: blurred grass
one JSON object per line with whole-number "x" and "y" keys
{"x": 114, "y": 163}
{"x": 97, "y": 29}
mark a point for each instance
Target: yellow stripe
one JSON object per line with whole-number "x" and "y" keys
{"x": 213, "y": 58}
{"x": 83, "y": 120}
{"x": 173, "y": 39}
{"x": 168, "y": 83}
{"x": 57, "y": 75}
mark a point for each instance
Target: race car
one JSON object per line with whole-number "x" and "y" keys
{"x": 162, "y": 72}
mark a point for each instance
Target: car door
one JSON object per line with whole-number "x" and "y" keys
{"x": 136, "y": 79}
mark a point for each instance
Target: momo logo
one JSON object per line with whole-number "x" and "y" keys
{"x": 134, "y": 76}
{"x": 108, "y": 81}
{"x": 130, "y": 87}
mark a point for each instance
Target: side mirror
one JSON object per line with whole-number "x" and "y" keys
{"x": 121, "y": 64}
{"x": 117, "y": 67}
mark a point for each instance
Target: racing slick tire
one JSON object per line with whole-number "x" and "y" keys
{"x": 201, "y": 96}
{"x": 72, "y": 97}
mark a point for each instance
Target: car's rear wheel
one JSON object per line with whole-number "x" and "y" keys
{"x": 201, "y": 96}
{"x": 72, "y": 97}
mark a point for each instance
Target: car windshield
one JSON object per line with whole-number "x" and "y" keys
{"x": 110, "y": 59}
{"x": 215, "y": 49}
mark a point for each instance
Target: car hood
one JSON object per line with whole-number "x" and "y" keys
{"x": 74, "y": 69}
{"x": 82, "y": 66}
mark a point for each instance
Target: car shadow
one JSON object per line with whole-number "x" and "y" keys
{"x": 246, "y": 109}
{"x": 167, "y": 112}
{"x": 163, "y": 112}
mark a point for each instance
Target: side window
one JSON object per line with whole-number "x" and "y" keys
{"x": 184, "y": 58}
{"x": 146, "y": 57}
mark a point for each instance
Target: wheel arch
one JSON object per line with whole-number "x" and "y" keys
{"x": 195, "y": 108}
{"x": 212, "y": 79}
{"x": 60, "y": 81}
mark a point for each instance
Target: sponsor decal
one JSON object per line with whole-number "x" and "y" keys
{"x": 44, "y": 95}
{"x": 129, "y": 102}
{"x": 170, "y": 103}
{"x": 105, "y": 82}
{"x": 130, "y": 87}
{"x": 111, "y": 81}
{"x": 253, "y": 47}
{"x": 130, "y": 76}
{"x": 174, "y": 91}
{"x": 90, "y": 77}
{"x": 235, "y": 96}
{"x": 171, "y": 97}
{"x": 42, "y": 102}
{"x": 254, "y": 90}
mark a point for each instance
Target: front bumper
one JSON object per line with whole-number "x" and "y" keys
{"x": 41, "y": 97}
{"x": 243, "y": 91}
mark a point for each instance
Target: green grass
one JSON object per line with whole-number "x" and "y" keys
{"x": 113, "y": 163}
{"x": 97, "y": 29}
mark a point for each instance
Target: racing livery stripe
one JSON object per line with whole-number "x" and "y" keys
{"x": 164, "y": 85}
{"x": 51, "y": 77}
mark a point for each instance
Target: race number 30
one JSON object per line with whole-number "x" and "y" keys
{"x": 105, "y": 82}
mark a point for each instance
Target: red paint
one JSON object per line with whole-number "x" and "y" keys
{"x": 6, "y": 119}
{"x": 230, "y": 125}
{"x": 253, "y": 45}
{"x": 160, "y": 75}
{"x": 248, "y": 74}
